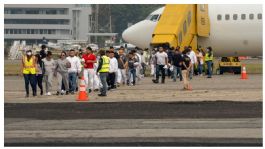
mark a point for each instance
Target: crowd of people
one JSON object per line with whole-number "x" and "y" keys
{"x": 102, "y": 70}
{"x": 176, "y": 64}
{"x": 106, "y": 70}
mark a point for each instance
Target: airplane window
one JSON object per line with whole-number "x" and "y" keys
{"x": 227, "y": 17}
{"x": 235, "y": 16}
{"x": 243, "y": 16}
{"x": 180, "y": 38}
{"x": 251, "y": 16}
{"x": 184, "y": 27}
{"x": 259, "y": 16}
{"x": 154, "y": 17}
{"x": 159, "y": 17}
{"x": 219, "y": 17}
{"x": 189, "y": 18}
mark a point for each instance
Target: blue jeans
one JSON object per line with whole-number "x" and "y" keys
{"x": 200, "y": 68}
{"x": 131, "y": 73}
{"x": 103, "y": 78}
{"x": 209, "y": 68}
{"x": 32, "y": 80}
{"x": 72, "y": 81}
{"x": 176, "y": 72}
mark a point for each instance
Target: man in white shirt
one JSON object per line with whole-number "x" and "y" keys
{"x": 161, "y": 59}
{"x": 193, "y": 57}
{"x": 113, "y": 69}
{"x": 73, "y": 70}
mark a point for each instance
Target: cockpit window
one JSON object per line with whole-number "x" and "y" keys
{"x": 154, "y": 17}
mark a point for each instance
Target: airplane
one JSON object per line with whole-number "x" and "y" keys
{"x": 235, "y": 30}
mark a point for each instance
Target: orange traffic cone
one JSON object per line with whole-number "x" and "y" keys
{"x": 82, "y": 91}
{"x": 244, "y": 73}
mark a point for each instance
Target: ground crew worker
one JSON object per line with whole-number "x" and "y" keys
{"x": 186, "y": 65}
{"x": 103, "y": 70}
{"x": 209, "y": 61}
{"x": 29, "y": 72}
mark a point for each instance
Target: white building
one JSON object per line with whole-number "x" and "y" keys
{"x": 33, "y": 22}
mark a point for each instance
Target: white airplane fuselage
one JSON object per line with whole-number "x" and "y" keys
{"x": 228, "y": 37}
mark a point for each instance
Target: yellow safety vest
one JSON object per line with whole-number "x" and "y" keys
{"x": 29, "y": 66}
{"x": 105, "y": 65}
{"x": 208, "y": 58}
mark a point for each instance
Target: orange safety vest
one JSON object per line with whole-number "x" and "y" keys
{"x": 29, "y": 67}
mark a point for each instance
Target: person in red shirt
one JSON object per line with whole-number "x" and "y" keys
{"x": 89, "y": 73}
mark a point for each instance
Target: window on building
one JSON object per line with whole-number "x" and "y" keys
{"x": 227, "y": 17}
{"x": 234, "y": 16}
{"x": 251, "y": 16}
{"x": 185, "y": 27}
{"x": 243, "y": 16}
{"x": 28, "y": 31}
{"x": 11, "y": 31}
{"x": 219, "y": 17}
{"x": 41, "y": 31}
{"x": 259, "y": 16}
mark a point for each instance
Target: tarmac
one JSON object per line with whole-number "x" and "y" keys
{"x": 222, "y": 111}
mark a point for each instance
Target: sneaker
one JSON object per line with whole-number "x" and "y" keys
{"x": 57, "y": 93}
{"x": 34, "y": 94}
{"x": 89, "y": 90}
{"x": 72, "y": 92}
{"x": 96, "y": 90}
{"x": 27, "y": 95}
{"x": 67, "y": 92}
{"x": 41, "y": 92}
{"x": 102, "y": 95}
{"x": 48, "y": 94}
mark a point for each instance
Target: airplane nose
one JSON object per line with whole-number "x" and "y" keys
{"x": 140, "y": 34}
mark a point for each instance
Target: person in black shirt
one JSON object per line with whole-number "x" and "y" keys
{"x": 185, "y": 67}
{"x": 43, "y": 53}
{"x": 176, "y": 62}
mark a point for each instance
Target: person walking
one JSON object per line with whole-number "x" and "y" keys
{"x": 113, "y": 68}
{"x": 200, "y": 61}
{"x": 209, "y": 61}
{"x": 73, "y": 71}
{"x": 131, "y": 66}
{"x": 176, "y": 62}
{"x": 138, "y": 67}
{"x": 121, "y": 67}
{"x": 185, "y": 67}
{"x": 43, "y": 52}
{"x": 192, "y": 56}
{"x": 161, "y": 63}
{"x": 61, "y": 72}
{"x": 40, "y": 72}
{"x": 49, "y": 65}
{"x": 103, "y": 70}
{"x": 89, "y": 71}
{"x": 29, "y": 69}
{"x": 152, "y": 63}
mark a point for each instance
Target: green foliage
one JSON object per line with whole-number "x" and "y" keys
{"x": 124, "y": 14}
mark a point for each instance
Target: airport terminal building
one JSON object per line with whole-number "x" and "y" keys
{"x": 34, "y": 22}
